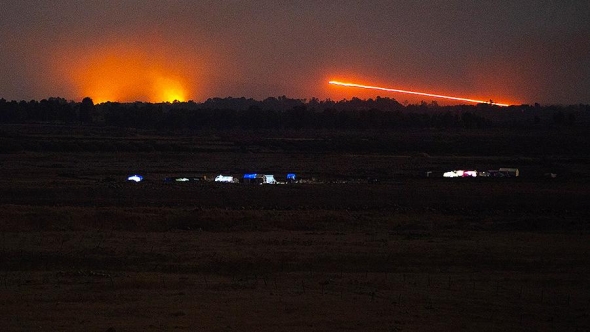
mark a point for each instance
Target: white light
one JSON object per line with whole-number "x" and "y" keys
{"x": 452, "y": 174}
{"x": 135, "y": 178}
{"x": 270, "y": 179}
{"x": 223, "y": 178}
{"x": 460, "y": 174}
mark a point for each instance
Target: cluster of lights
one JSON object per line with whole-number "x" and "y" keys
{"x": 220, "y": 178}
{"x": 460, "y": 174}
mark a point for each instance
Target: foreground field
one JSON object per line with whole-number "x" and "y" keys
{"x": 294, "y": 280}
{"x": 83, "y": 250}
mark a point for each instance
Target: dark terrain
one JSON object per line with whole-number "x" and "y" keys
{"x": 81, "y": 249}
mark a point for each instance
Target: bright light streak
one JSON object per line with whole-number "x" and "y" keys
{"x": 369, "y": 87}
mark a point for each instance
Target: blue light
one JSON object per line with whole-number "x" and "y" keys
{"x": 291, "y": 176}
{"x": 250, "y": 176}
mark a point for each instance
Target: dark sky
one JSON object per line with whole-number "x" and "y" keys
{"x": 510, "y": 51}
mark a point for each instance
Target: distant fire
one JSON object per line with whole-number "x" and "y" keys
{"x": 130, "y": 76}
{"x": 369, "y": 87}
{"x": 128, "y": 70}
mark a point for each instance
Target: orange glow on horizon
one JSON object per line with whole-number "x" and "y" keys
{"x": 370, "y": 87}
{"x": 127, "y": 70}
{"x": 129, "y": 76}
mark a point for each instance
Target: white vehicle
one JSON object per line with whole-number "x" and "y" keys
{"x": 224, "y": 178}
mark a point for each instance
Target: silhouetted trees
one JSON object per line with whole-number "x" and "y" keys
{"x": 283, "y": 113}
{"x": 47, "y": 110}
{"x": 86, "y": 110}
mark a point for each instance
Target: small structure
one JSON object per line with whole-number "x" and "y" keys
{"x": 135, "y": 178}
{"x": 259, "y": 178}
{"x": 253, "y": 178}
{"x": 269, "y": 179}
{"x": 225, "y": 178}
{"x": 291, "y": 178}
{"x": 509, "y": 172}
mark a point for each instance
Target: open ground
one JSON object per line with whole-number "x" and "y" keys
{"x": 81, "y": 249}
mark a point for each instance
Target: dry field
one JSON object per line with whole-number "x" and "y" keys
{"x": 82, "y": 250}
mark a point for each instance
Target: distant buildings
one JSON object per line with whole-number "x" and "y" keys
{"x": 502, "y": 172}
{"x": 289, "y": 178}
{"x": 259, "y": 178}
{"x": 185, "y": 179}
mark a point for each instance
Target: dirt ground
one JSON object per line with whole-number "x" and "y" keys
{"x": 81, "y": 249}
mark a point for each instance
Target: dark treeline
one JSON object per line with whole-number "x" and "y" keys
{"x": 285, "y": 113}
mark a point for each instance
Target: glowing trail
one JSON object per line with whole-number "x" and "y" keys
{"x": 354, "y": 85}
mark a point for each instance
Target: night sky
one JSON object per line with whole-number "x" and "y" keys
{"x": 152, "y": 50}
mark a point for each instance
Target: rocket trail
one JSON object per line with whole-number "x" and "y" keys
{"x": 369, "y": 87}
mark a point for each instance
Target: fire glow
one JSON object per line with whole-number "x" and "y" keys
{"x": 127, "y": 70}
{"x": 369, "y": 87}
{"x": 129, "y": 77}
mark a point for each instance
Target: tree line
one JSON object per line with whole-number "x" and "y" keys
{"x": 285, "y": 113}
